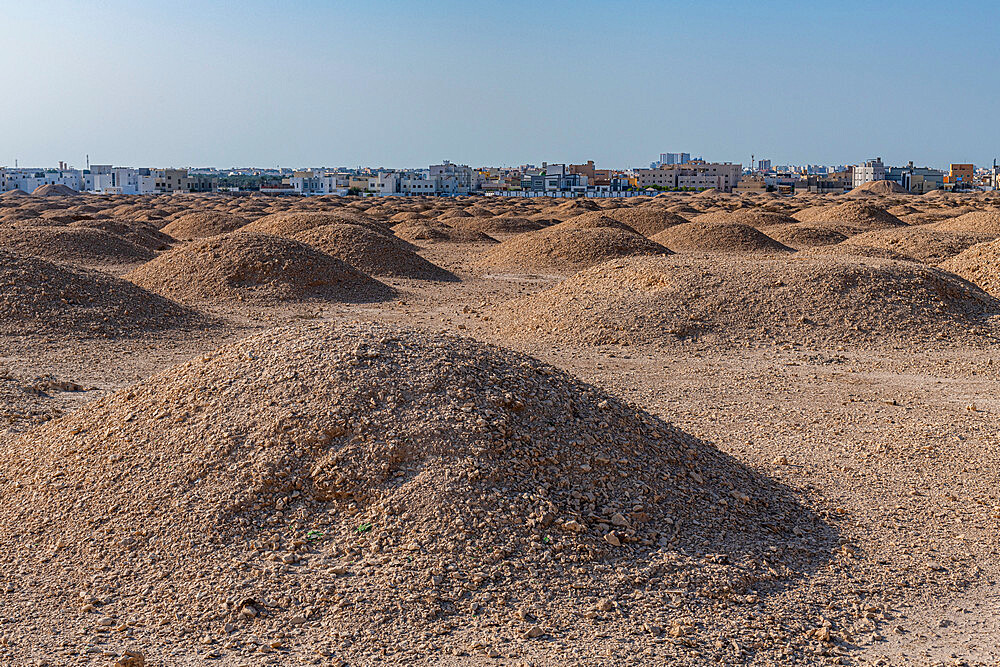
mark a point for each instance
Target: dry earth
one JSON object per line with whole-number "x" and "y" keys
{"x": 336, "y": 480}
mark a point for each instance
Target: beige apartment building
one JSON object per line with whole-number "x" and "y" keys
{"x": 698, "y": 175}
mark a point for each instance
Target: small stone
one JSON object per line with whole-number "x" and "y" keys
{"x": 781, "y": 460}
{"x": 106, "y": 622}
{"x": 87, "y": 608}
{"x": 605, "y": 605}
{"x": 533, "y": 632}
{"x": 297, "y": 620}
{"x": 612, "y": 539}
{"x": 493, "y": 653}
{"x": 574, "y": 526}
{"x": 618, "y": 520}
{"x": 276, "y": 644}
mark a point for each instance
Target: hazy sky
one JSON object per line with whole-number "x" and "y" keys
{"x": 405, "y": 84}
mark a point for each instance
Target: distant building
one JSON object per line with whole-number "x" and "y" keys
{"x": 961, "y": 176}
{"x": 763, "y": 165}
{"x": 872, "y": 170}
{"x": 454, "y": 179}
{"x": 917, "y": 180}
{"x": 695, "y": 175}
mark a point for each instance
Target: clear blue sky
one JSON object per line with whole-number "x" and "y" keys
{"x": 189, "y": 83}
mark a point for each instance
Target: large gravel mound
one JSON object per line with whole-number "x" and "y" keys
{"x": 851, "y": 217}
{"x": 724, "y": 237}
{"x": 978, "y": 222}
{"x": 646, "y": 220}
{"x": 378, "y": 482}
{"x": 799, "y": 235}
{"x": 254, "y": 267}
{"x": 202, "y": 224}
{"x": 39, "y": 296}
{"x": 78, "y": 245}
{"x": 930, "y": 246}
{"x": 817, "y": 300}
{"x": 57, "y": 190}
{"x": 980, "y": 265}
{"x": 433, "y": 231}
{"x": 879, "y": 188}
{"x": 291, "y": 223}
{"x": 566, "y": 249}
{"x": 753, "y": 217}
{"x": 371, "y": 252}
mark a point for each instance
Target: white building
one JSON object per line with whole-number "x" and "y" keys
{"x": 872, "y": 170}
{"x": 28, "y": 179}
{"x": 315, "y": 183}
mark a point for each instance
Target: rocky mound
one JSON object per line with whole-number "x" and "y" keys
{"x": 646, "y": 220}
{"x": 291, "y": 223}
{"x": 16, "y": 193}
{"x": 929, "y": 246}
{"x": 496, "y": 224}
{"x": 850, "y": 217}
{"x": 51, "y": 190}
{"x": 78, "y": 245}
{"x": 144, "y": 235}
{"x": 566, "y": 250}
{"x": 819, "y": 301}
{"x": 350, "y": 481}
{"x": 372, "y": 253}
{"x": 978, "y": 222}
{"x": 718, "y": 237}
{"x": 801, "y": 235}
{"x": 256, "y": 268}
{"x": 439, "y": 232}
{"x": 753, "y": 217}
{"x": 202, "y": 224}
{"x": 592, "y": 220}
{"x": 879, "y": 188}
{"x": 980, "y": 265}
{"x": 39, "y": 296}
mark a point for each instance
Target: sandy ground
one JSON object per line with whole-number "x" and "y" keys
{"x": 897, "y": 450}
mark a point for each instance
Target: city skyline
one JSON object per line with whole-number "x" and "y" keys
{"x": 398, "y": 84}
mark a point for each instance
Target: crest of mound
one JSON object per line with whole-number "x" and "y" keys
{"x": 753, "y": 217}
{"x": 291, "y": 223}
{"x": 144, "y": 235}
{"x": 879, "y": 188}
{"x": 562, "y": 250}
{"x": 646, "y": 220}
{"x": 53, "y": 190}
{"x": 372, "y": 253}
{"x": 979, "y": 264}
{"x": 820, "y": 300}
{"x": 202, "y": 224}
{"x": 254, "y": 268}
{"x": 14, "y": 194}
{"x": 801, "y": 235}
{"x": 851, "y": 217}
{"x": 722, "y": 237}
{"x": 929, "y": 246}
{"x": 378, "y": 454}
{"x": 433, "y": 231}
{"x": 979, "y": 222}
{"x": 39, "y": 296}
{"x": 503, "y": 224}
{"x": 77, "y": 245}
{"x": 593, "y": 220}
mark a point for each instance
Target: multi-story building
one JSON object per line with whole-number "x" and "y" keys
{"x": 28, "y": 179}
{"x": 312, "y": 182}
{"x": 763, "y": 165}
{"x": 961, "y": 176}
{"x": 455, "y": 179}
{"x": 695, "y": 175}
{"x": 917, "y": 180}
{"x": 872, "y": 170}
{"x": 554, "y": 178}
